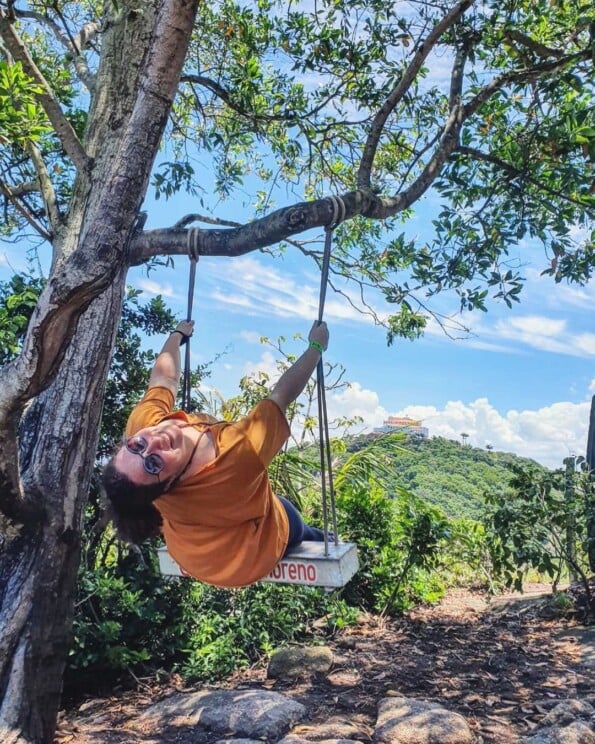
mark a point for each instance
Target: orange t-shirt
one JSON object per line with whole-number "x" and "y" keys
{"x": 223, "y": 525}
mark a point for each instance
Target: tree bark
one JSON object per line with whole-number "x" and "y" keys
{"x": 590, "y": 497}
{"x": 50, "y": 396}
{"x": 39, "y": 567}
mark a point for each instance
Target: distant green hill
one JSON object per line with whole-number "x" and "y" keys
{"x": 447, "y": 474}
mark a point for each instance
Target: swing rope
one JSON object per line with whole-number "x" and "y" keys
{"x": 328, "y": 496}
{"x": 192, "y": 247}
{"x": 339, "y": 210}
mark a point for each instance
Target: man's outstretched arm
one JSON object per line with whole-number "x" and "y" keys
{"x": 168, "y": 366}
{"x": 293, "y": 381}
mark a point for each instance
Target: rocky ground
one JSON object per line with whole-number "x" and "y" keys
{"x": 502, "y": 664}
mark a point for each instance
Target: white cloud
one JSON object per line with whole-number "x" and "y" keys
{"x": 576, "y": 296}
{"x": 547, "y": 435}
{"x": 537, "y": 332}
{"x": 267, "y": 364}
{"x": 586, "y": 342}
{"x": 259, "y": 289}
{"x": 155, "y": 288}
{"x": 250, "y": 337}
{"x": 592, "y": 386}
{"x": 356, "y": 401}
{"x": 535, "y": 325}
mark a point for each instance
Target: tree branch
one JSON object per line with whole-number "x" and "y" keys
{"x": 396, "y": 95}
{"x": 521, "y": 76}
{"x": 190, "y": 218}
{"x": 46, "y": 187}
{"x": 223, "y": 94}
{"x": 24, "y": 212}
{"x": 534, "y": 46}
{"x": 448, "y": 142}
{"x": 73, "y": 45}
{"x": 515, "y": 172}
{"x": 62, "y": 126}
{"x": 386, "y": 207}
{"x": 261, "y": 233}
{"x": 29, "y": 187}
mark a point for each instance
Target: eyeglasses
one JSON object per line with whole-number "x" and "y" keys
{"x": 153, "y": 464}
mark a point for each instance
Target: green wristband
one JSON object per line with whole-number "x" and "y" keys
{"x": 317, "y": 346}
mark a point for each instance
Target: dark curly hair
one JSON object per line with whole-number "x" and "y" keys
{"x": 131, "y": 506}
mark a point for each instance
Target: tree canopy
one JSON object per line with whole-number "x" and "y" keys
{"x": 487, "y": 103}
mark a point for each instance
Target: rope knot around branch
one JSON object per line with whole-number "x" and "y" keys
{"x": 192, "y": 243}
{"x": 339, "y": 211}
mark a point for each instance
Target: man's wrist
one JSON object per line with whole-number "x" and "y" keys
{"x": 182, "y": 334}
{"x": 315, "y": 345}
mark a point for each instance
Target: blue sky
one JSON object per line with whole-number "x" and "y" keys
{"x": 522, "y": 380}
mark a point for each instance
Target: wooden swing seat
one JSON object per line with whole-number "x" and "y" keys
{"x": 306, "y": 564}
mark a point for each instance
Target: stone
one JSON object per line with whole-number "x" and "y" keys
{"x": 403, "y": 720}
{"x": 295, "y": 739}
{"x": 576, "y": 733}
{"x": 333, "y": 729}
{"x": 288, "y": 663}
{"x": 568, "y": 711}
{"x": 251, "y": 714}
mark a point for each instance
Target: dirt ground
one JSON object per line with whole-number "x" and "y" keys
{"x": 501, "y": 664}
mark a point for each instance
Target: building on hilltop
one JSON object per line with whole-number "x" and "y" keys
{"x": 404, "y": 424}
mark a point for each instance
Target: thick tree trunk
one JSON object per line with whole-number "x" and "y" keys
{"x": 52, "y": 392}
{"x": 39, "y": 567}
{"x": 590, "y": 497}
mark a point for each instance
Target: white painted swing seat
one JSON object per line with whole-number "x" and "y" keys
{"x": 306, "y": 564}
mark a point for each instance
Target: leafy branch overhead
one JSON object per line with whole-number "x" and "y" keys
{"x": 487, "y": 104}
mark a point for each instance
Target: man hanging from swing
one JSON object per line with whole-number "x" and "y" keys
{"x": 203, "y": 484}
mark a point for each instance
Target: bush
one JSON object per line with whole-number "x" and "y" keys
{"x": 130, "y": 621}
{"x": 236, "y": 628}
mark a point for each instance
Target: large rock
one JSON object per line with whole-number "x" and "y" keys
{"x": 287, "y": 663}
{"x": 410, "y": 721}
{"x": 251, "y": 714}
{"x": 568, "y": 711}
{"x": 575, "y": 733}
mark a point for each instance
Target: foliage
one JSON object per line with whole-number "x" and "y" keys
{"x": 127, "y": 618}
{"x": 467, "y": 558}
{"x": 268, "y": 96}
{"x": 443, "y": 473}
{"x": 130, "y": 621}
{"x": 235, "y": 628}
{"x": 399, "y": 542}
{"x": 18, "y": 298}
{"x": 541, "y": 524}
{"x": 22, "y": 119}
